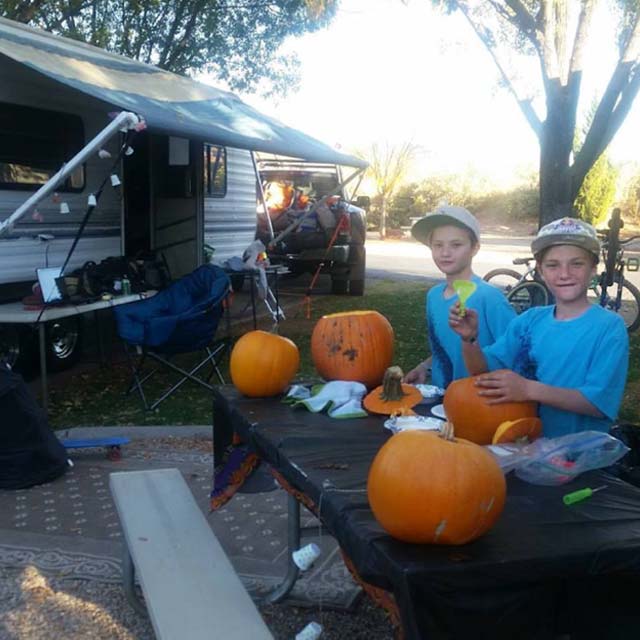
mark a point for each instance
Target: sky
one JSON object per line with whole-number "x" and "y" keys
{"x": 391, "y": 72}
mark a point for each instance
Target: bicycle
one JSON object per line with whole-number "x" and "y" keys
{"x": 525, "y": 290}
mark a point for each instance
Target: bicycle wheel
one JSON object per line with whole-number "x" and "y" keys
{"x": 527, "y": 295}
{"x": 505, "y": 279}
{"x": 622, "y": 298}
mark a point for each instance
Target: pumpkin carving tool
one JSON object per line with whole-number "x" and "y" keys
{"x": 580, "y": 495}
{"x": 464, "y": 289}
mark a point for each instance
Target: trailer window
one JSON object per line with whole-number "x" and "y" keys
{"x": 34, "y": 144}
{"x": 215, "y": 171}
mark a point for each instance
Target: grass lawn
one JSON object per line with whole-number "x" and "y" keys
{"x": 95, "y": 397}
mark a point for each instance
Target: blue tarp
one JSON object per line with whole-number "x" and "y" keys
{"x": 168, "y": 102}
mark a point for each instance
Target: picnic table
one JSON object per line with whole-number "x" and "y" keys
{"x": 544, "y": 568}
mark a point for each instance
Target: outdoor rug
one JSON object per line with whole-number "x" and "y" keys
{"x": 70, "y": 527}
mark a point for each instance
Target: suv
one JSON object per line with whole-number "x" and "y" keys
{"x": 314, "y": 222}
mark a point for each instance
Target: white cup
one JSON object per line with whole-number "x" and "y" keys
{"x": 306, "y": 556}
{"x": 311, "y": 632}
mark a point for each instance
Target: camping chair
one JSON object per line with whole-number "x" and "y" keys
{"x": 182, "y": 318}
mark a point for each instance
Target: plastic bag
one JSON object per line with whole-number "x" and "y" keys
{"x": 555, "y": 461}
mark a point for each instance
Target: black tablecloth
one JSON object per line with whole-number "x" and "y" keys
{"x": 543, "y": 567}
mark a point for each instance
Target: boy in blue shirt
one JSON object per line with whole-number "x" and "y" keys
{"x": 570, "y": 357}
{"x": 453, "y": 235}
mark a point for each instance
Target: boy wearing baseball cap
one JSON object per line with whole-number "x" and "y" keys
{"x": 570, "y": 357}
{"x": 453, "y": 235}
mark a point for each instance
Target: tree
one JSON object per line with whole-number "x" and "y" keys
{"x": 236, "y": 40}
{"x": 388, "y": 166}
{"x": 557, "y": 31}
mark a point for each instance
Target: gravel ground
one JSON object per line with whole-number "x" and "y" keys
{"x": 37, "y": 607}
{"x": 34, "y": 607}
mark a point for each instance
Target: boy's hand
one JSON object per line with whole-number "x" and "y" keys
{"x": 416, "y": 376}
{"x": 466, "y": 326}
{"x": 503, "y": 386}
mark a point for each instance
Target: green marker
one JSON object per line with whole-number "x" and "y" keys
{"x": 581, "y": 494}
{"x": 464, "y": 289}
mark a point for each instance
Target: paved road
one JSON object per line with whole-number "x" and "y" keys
{"x": 408, "y": 259}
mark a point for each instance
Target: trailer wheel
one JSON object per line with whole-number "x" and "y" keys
{"x": 63, "y": 344}
{"x": 16, "y": 347}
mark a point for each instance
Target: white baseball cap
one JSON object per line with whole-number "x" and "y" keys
{"x": 446, "y": 214}
{"x": 567, "y": 231}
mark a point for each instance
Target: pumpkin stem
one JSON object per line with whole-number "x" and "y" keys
{"x": 392, "y": 385}
{"x": 447, "y": 432}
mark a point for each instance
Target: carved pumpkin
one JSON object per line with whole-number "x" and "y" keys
{"x": 426, "y": 488}
{"x": 353, "y": 345}
{"x": 474, "y": 419}
{"x": 263, "y": 364}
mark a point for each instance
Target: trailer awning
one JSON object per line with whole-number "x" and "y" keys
{"x": 168, "y": 102}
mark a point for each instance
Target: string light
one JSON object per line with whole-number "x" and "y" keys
{"x": 115, "y": 181}
{"x": 103, "y": 154}
{"x": 128, "y": 151}
{"x": 64, "y": 208}
{"x": 91, "y": 200}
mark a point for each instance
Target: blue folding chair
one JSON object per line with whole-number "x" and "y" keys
{"x": 182, "y": 318}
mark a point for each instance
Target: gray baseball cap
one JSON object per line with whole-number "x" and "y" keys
{"x": 567, "y": 231}
{"x": 446, "y": 214}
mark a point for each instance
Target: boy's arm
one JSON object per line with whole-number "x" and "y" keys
{"x": 466, "y": 326}
{"x": 508, "y": 386}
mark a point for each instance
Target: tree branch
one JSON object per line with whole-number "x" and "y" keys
{"x": 523, "y": 103}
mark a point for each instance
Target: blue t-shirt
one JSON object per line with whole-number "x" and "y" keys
{"x": 589, "y": 353}
{"x": 494, "y": 314}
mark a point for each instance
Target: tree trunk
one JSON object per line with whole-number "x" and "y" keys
{"x": 556, "y": 143}
{"x": 383, "y": 218}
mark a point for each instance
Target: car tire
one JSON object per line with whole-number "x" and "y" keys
{"x": 339, "y": 287}
{"x": 63, "y": 343}
{"x": 356, "y": 287}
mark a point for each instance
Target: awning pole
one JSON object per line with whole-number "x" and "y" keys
{"x": 263, "y": 200}
{"x": 125, "y": 119}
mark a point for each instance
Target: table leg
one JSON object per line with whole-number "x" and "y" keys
{"x": 43, "y": 365}
{"x": 293, "y": 544}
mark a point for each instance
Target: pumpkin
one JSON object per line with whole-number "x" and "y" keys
{"x": 528, "y": 429}
{"x": 392, "y": 397}
{"x": 425, "y": 487}
{"x": 352, "y": 345}
{"x": 476, "y": 420}
{"x": 263, "y": 364}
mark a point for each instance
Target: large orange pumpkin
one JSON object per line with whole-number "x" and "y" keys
{"x": 353, "y": 345}
{"x": 425, "y": 488}
{"x": 474, "y": 419}
{"x": 263, "y": 364}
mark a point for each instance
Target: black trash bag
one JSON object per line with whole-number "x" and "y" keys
{"x": 628, "y": 468}
{"x": 30, "y": 453}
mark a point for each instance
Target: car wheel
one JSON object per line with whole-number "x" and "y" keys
{"x": 63, "y": 343}
{"x": 339, "y": 287}
{"x": 356, "y": 287}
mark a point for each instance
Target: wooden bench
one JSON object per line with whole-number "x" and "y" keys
{"x": 191, "y": 590}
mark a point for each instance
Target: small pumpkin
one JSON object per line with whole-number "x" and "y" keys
{"x": 263, "y": 364}
{"x": 433, "y": 488}
{"x": 392, "y": 397}
{"x": 476, "y": 420}
{"x": 518, "y": 430}
{"x": 353, "y": 345}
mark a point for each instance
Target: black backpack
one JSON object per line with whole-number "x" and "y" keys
{"x": 30, "y": 453}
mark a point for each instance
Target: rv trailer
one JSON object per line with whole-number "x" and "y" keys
{"x": 186, "y": 181}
